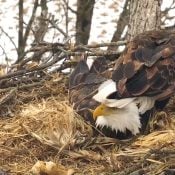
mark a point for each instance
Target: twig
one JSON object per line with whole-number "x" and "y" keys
{"x": 52, "y": 22}
{"x": 72, "y": 10}
{"x": 61, "y": 51}
{"x": 72, "y": 52}
{"x": 118, "y": 43}
{"x": 54, "y": 45}
{"x": 67, "y": 52}
{"x": 10, "y": 38}
{"x": 8, "y": 96}
{"x": 31, "y": 85}
{"x": 4, "y": 53}
{"x": 41, "y": 67}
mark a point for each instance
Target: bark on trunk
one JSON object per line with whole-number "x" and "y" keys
{"x": 20, "y": 31}
{"x": 41, "y": 28}
{"x": 41, "y": 22}
{"x": 144, "y": 15}
{"x": 83, "y": 21}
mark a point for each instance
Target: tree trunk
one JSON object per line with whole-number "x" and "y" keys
{"x": 83, "y": 21}
{"x": 41, "y": 28}
{"x": 144, "y": 15}
{"x": 20, "y": 31}
{"x": 23, "y": 36}
{"x": 41, "y": 23}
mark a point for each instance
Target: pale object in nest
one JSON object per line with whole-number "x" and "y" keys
{"x": 50, "y": 168}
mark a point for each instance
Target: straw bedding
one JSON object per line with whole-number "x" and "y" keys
{"x": 45, "y": 133}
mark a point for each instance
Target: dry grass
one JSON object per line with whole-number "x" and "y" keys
{"x": 48, "y": 129}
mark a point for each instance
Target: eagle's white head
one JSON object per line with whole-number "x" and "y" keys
{"x": 119, "y": 114}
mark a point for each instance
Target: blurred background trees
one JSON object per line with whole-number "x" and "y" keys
{"x": 24, "y": 24}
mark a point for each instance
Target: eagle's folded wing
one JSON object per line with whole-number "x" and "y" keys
{"x": 147, "y": 67}
{"x": 143, "y": 76}
{"x": 83, "y": 84}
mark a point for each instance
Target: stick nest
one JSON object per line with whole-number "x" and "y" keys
{"x": 43, "y": 126}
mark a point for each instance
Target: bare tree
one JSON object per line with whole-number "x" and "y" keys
{"x": 83, "y": 21}
{"x": 144, "y": 15}
{"x": 20, "y": 31}
{"x": 42, "y": 24}
{"x": 23, "y": 36}
{"x": 41, "y": 28}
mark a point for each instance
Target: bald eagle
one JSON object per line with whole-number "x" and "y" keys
{"x": 142, "y": 79}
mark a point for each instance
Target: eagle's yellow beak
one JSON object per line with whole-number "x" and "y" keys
{"x": 100, "y": 110}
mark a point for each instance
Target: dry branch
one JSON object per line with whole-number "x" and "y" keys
{"x": 29, "y": 74}
{"x": 60, "y": 51}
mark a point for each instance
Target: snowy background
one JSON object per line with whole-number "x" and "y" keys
{"x": 105, "y": 16}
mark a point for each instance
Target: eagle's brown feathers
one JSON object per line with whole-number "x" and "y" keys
{"x": 83, "y": 84}
{"x": 145, "y": 69}
{"x": 147, "y": 66}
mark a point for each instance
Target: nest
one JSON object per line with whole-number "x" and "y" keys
{"x": 44, "y": 127}
{"x": 38, "y": 127}
{"x": 54, "y": 123}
